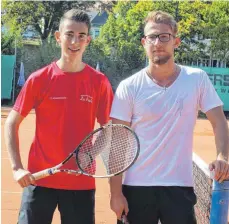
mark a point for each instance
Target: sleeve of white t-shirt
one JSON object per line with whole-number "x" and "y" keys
{"x": 122, "y": 105}
{"x": 209, "y": 98}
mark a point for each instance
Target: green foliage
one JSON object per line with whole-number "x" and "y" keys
{"x": 43, "y": 16}
{"x": 118, "y": 48}
{"x": 197, "y": 19}
{"x": 117, "y": 38}
{"x": 8, "y": 45}
{"x": 217, "y": 28}
{"x": 37, "y": 56}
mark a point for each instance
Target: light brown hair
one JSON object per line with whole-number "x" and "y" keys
{"x": 160, "y": 17}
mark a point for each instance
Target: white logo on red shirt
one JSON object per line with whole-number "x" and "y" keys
{"x": 58, "y": 98}
{"x": 86, "y": 98}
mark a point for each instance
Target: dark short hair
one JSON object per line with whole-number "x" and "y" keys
{"x": 163, "y": 18}
{"x": 77, "y": 16}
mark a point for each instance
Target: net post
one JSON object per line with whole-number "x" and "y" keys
{"x": 220, "y": 203}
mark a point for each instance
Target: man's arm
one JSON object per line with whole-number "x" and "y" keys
{"x": 118, "y": 201}
{"x": 220, "y": 128}
{"x": 13, "y": 121}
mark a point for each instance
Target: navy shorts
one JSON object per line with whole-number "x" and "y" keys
{"x": 170, "y": 205}
{"x": 39, "y": 203}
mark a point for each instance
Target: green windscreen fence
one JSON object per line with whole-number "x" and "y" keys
{"x": 220, "y": 80}
{"x": 7, "y": 73}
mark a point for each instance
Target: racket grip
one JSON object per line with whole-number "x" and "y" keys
{"x": 124, "y": 219}
{"x": 42, "y": 174}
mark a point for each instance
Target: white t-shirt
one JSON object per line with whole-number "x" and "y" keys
{"x": 164, "y": 121}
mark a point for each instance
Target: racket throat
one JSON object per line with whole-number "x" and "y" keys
{"x": 52, "y": 171}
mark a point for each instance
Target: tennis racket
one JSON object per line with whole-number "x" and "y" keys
{"x": 108, "y": 151}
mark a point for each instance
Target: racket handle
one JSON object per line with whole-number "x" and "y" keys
{"x": 124, "y": 219}
{"x": 42, "y": 174}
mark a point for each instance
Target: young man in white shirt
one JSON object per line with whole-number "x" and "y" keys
{"x": 161, "y": 104}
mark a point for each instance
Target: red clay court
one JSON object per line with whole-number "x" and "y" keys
{"x": 204, "y": 146}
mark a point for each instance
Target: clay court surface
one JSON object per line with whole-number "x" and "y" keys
{"x": 204, "y": 146}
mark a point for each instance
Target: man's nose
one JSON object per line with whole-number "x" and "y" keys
{"x": 75, "y": 39}
{"x": 157, "y": 41}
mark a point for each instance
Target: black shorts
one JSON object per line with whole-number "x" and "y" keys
{"x": 39, "y": 203}
{"x": 170, "y": 205}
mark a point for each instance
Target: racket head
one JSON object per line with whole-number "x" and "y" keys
{"x": 108, "y": 151}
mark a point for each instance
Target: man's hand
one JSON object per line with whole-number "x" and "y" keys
{"x": 220, "y": 128}
{"x": 23, "y": 177}
{"x": 118, "y": 204}
{"x": 221, "y": 170}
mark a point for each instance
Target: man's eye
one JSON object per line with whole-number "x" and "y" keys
{"x": 152, "y": 37}
{"x": 69, "y": 35}
{"x": 82, "y": 36}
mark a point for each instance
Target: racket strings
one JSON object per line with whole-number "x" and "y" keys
{"x": 122, "y": 152}
{"x": 108, "y": 152}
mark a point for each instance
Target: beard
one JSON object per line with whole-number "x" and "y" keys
{"x": 160, "y": 60}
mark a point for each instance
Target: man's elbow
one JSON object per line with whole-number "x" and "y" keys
{"x": 221, "y": 123}
{"x": 13, "y": 121}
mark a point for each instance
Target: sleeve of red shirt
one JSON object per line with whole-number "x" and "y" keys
{"x": 105, "y": 102}
{"x": 28, "y": 96}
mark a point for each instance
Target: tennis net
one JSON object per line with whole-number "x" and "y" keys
{"x": 212, "y": 197}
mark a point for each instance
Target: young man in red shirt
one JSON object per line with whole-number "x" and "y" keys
{"x": 68, "y": 96}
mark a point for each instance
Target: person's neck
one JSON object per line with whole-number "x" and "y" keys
{"x": 162, "y": 72}
{"x": 67, "y": 65}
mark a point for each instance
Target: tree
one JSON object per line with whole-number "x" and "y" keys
{"x": 43, "y": 16}
{"x": 217, "y": 29}
{"x": 8, "y": 45}
{"x": 115, "y": 37}
{"x": 196, "y": 19}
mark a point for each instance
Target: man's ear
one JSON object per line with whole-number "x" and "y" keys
{"x": 57, "y": 36}
{"x": 88, "y": 40}
{"x": 143, "y": 41}
{"x": 177, "y": 42}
